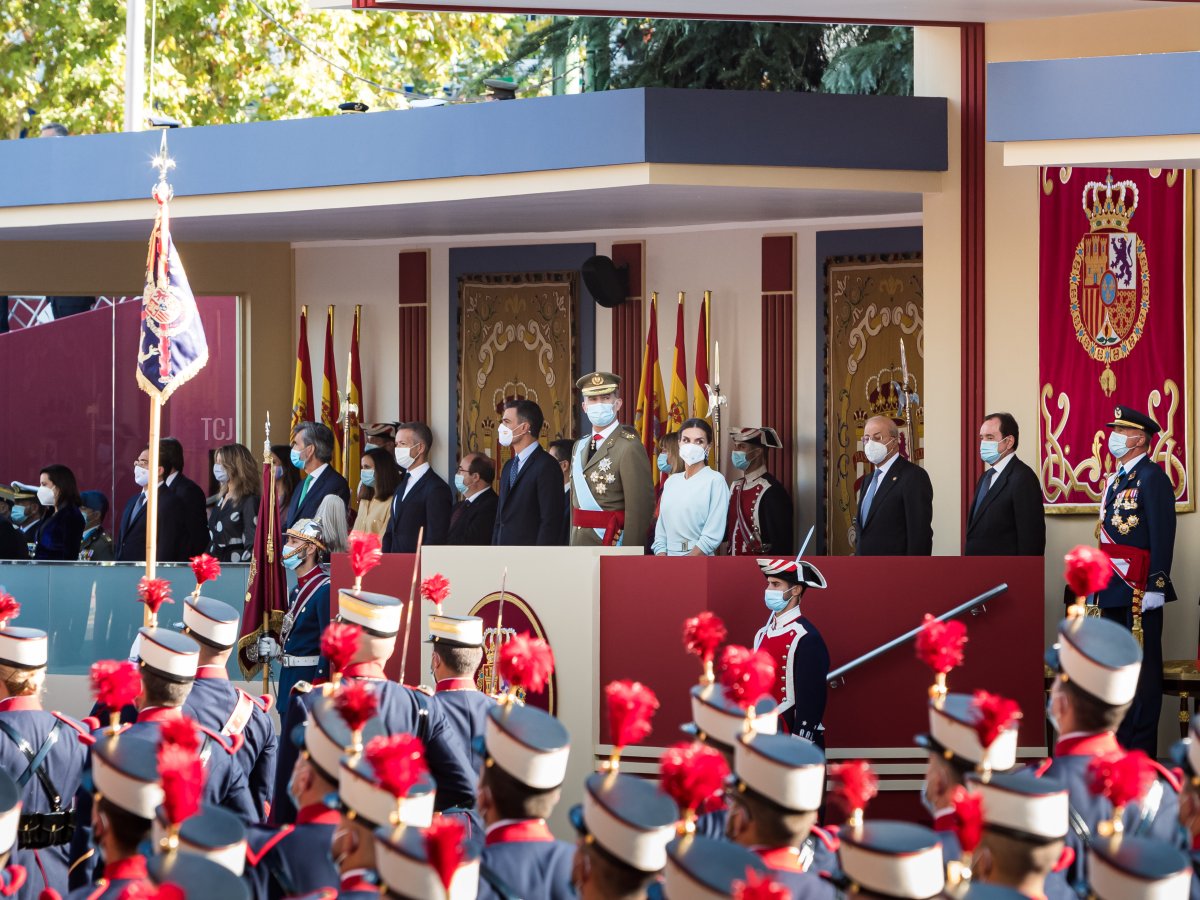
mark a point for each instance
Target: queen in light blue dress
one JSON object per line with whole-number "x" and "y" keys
{"x": 695, "y": 502}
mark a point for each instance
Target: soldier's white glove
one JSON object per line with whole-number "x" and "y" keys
{"x": 1153, "y": 600}
{"x": 268, "y": 648}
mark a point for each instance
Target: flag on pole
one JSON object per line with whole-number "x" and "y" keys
{"x": 650, "y": 415}
{"x": 354, "y": 411}
{"x": 303, "y": 408}
{"x": 677, "y": 410}
{"x": 330, "y": 407}
{"x": 266, "y": 590}
{"x": 699, "y": 391}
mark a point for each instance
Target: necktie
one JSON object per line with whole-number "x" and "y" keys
{"x": 512, "y": 471}
{"x": 140, "y": 505}
{"x": 866, "y": 507}
{"x": 593, "y": 445}
{"x": 985, "y": 485}
{"x": 304, "y": 488}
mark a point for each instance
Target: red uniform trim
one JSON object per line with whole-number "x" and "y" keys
{"x": 782, "y": 859}
{"x": 944, "y": 822}
{"x": 456, "y": 684}
{"x": 16, "y": 876}
{"x": 264, "y": 702}
{"x": 828, "y": 838}
{"x": 318, "y": 814}
{"x": 359, "y": 883}
{"x": 255, "y": 858}
{"x": 134, "y": 867}
{"x": 24, "y": 703}
{"x": 371, "y": 670}
{"x": 160, "y": 714}
{"x": 527, "y": 831}
{"x": 211, "y": 673}
{"x": 1088, "y": 745}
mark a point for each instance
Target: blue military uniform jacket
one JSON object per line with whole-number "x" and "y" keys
{"x": 1139, "y": 511}
{"x": 792, "y": 867}
{"x": 522, "y": 859}
{"x": 307, "y": 615}
{"x": 56, "y": 780}
{"x": 466, "y": 708}
{"x": 359, "y": 885}
{"x": 401, "y": 711}
{"x": 219, "y": 706}
{"x": 293, "y": 860}
{"x": 112, "y": 883}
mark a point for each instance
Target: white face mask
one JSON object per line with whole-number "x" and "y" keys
{"x": 876, "y": 451}
{"x": 692, "y": 453}
{"x": 219, "y": 473}
{"x": 505, "y": 434}
{"x": 404, "y": 457}
{"x": 45, "y": 495}
{"x": 141, "y": 475}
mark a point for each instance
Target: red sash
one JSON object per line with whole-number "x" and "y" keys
{"x": 1137, "y": 562}
{"x": 611, "y": 520}
{"x": 527, "y": 831}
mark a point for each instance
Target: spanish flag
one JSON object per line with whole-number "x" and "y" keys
{"x": 354, "y": 412}
{"x": 650, "y": 415}
{"x": 677, "y": 411}
{"x": 303, "y": 408}
{"x": 699, "y": 386}
{"x": 330, "y": 408}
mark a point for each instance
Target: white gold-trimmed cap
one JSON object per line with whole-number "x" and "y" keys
{"x": 629, "y": 818}
{"x": 719, "y": 721}
{"x": 377, "y": 614}
{"x": 529, "y": 744}
{"x": 362, "y": 795}
{"x": 211, "y": 621}
{"x": 894, "y": 859}
{"x": 1100, "y": 657}
{"x": 789, "y": 771}
{"x": 700, "y": 868}
{"x": 404, "y": 867}
{"x": 24, "y": 648}
{"x": 167, "y": 653}
{"x": 1024, "y": 805}
{"x": 125, "y": 772}
{"x": 952, "y": 734}
{"x": 1134, "y": 868}
{"x": 456, "y": 631}
{"x": 212, "y": 833}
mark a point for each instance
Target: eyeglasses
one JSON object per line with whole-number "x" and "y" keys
{"x": 142, "y": 463}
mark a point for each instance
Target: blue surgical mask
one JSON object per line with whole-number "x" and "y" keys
{"x": 989, "y": 452}
{"x": 18, "y": 513}
{"x": 601, "y": 414}
{"x": 1116, "y": 444}
{"x": 460, "y": 483}
{"x": 367, "y": 477}
{"x": 220, "y": 473}
{"x": 296, "y": 460}
{"x": 278, "y": 472}
{"x": 291, "y": 560}
{"x": 739, "y": 459}
{"x": 663, "y": 464}
{"x": 776, "y": 600}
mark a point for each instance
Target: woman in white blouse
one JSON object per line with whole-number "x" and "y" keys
{"x": 695, "y": 502}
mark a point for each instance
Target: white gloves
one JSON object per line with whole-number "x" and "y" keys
{"x": 1153, "y": 600}
{"x": 268, "y": 648}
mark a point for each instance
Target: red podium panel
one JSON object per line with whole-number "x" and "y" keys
{"x": 392, "y": 576}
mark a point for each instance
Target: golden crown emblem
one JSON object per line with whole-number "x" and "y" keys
{"x": 1106, "y": 212}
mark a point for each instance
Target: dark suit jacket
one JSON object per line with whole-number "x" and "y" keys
{"x": 131, "y": 538}
{"x": 194, "y": 524}
{"x": 472, "y": 521}
{"x": 531, "y": 512}
{"x": 564, "y": 536}
{"x": 1009, "y": 520}
{"x": 900, "y": 522}
{"x": 427, "y": 505}
{"x": 329, "y": 482}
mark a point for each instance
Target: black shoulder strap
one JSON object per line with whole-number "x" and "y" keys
{"x": 424, "y": 726}
{"x": 498, "y": 884}
{"x": 37, "y": 760}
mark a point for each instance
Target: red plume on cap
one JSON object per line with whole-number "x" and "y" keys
{"x": 968, "y": 818}
{"x": 526, "y": 662}
{"x": 181, "y": 733}
{"x": 205, "y": 568}
{"x": 366, "y": 552}
{"x": 435, "y": 589}
{"x": 746, "y": 674}
{"x": 444, "y": 847}
{"x": 692, "y": 774}
{"x": 339, "y": 643}
{"x": 398, "y": 761}
{"x": 854, "y": 785}
{"x": 154, "y": 592}
{"x": 1122, "y": 777}
{"x": 47, "y": 893}
{"x": 9, "y": 609}
{"x": 940, "y": 644}
{"x": 702, "y": 635}
{"x": 1087, "y": 570}
{"x": 115, "y": 683}
{"x": 182, "y": 777}
{"x": 144, "y": 890}
{"x": 759, "y": 887}
{"x": 631, "y": 706}
{"x": 357, "y": 703}
{"x": 992, "y": 714}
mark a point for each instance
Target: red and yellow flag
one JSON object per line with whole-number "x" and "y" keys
{"x": 699, "y": 389}
{"x": 303, "y": 408}
{"x": 330, "y": 407}
{"x": 677, "y": 409}
{"x": 354, "y": 412}
{"x": 650, "y": 415}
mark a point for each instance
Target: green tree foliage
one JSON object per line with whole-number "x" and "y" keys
{"x": 220, "y": 61}
{"x": 869, "y": 59}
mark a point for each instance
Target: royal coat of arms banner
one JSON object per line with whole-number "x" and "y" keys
{"x": 516, "y": 340}
{"x": 875, "y": 366}
{"x": 1115, "y": 320}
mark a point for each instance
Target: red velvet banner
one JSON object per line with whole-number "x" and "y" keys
{"x": 1115, "y": 320}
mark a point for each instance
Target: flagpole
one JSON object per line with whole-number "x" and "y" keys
{"x": 152, "y": 495}
{"x": 271, "y": 514}
{"x": 412, "y": 596}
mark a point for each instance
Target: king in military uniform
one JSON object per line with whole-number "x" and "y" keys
{"x": 612, "y": 490}
{"x": 760, "y": 508}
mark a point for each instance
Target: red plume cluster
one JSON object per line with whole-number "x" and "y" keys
{"x": 992, "y": 714}
{"x": 444, "y": 847}
{"x": 205, "y": 568}
{"x": 968, "y": 818}
{"x": 357, "y": 703}
{"x": 182, "y": 777}
{"x": 435, "y": 588}
{"x": 145, "y": 890}
{"x": 366, "y": 552}
{"x": 181, "y": 733}
{"x": 526, "y": 662}
{"x": 692, "y": 775}
{"x": 9, "y": 609}
{"x": 1121, "y": 776}
{"x": 398, "y": 761}
{"x": 746, "y": 674}
{"x": 759, "y": 887}
{"x": 339, "y": 643}
{"x": 940, "y": 644}
{"x": 702, "y": 635}
{"x": 854, "y": 784}
{"x": 1087, "y": 570}
{"x": 154, "y": 592}
{"x": 115, "y": 683}
{"x": 631, "y": 706}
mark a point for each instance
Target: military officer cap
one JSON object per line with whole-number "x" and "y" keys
{"x": 1186, "y": 754}
{"x": 952, "y": 736}
{"x": 376, "y": 614}
{"x": 8, "y": 495}
{"x": 597, "y": 384}
{"x": 22, "y": 491}
{"x": 796, "y": 571}
{"x": 628, "y": 818}
{"x": 501, "y": 88}
{"x": 168, "y": 654}
{"x": 785, "y": 770}
{"x": 213, "y": 833}
{"x": 759, "y": 435}
{"x": 404, "y": 866}
{"x": 211, "y": 622}
{"x": 455, "y": 631}
{"x": 324, "y": 737}
{"x": 385, "y": 430}
{"x": 125, "y": 773}
{"x": 892, "y": 859}
{"x": 188, "y": 871}
{"x": 718, "y": 720}
{"x": 95, "y": 500}
{"x": 1125, "y": 417}
{"x": 10, "y": 812}
{"x": 528, "y": 744}
{"x": 1024, "y": 806}
{"x": 700, "y": 868}
{"x": 1123, "y": 867}
{"x": 1099, "y": 657}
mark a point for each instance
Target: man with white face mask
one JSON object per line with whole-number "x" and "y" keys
{"x": 422, "y": 499}
{"x": 895, "y": 502}
{"x": 131, "y": 537}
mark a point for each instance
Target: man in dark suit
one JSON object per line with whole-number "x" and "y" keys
{"x": 531, "y": 509}
{"x": 561, "y": 451}
{"x": 192, "y": 498}
{"x": 474, "y": 516}
{"x": 131, "y": 538}
{"x": 895, "y": 504}
{"x": 1006, "y": 514}
{"x": 312, "y": 450}
{"x": 422, "y": 499}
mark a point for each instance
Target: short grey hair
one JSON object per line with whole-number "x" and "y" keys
{"x": 318, "y": 436}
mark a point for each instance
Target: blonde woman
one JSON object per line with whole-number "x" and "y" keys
{"x": 234, "y": 518}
